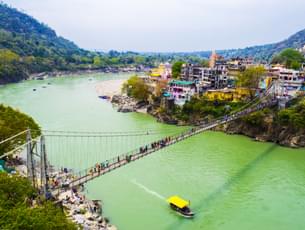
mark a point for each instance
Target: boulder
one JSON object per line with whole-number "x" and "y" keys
{"x": 126, "y": 109}
{"x": 116, "y": 99}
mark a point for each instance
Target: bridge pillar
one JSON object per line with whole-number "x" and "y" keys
{"x": 43, "y": 166}
{"x": 30, "y": 158}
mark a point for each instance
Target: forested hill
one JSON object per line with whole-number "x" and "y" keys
{"x": 265, "y": 52}
{"x": 26, "y": 36}
{"x": 28, "y": 46}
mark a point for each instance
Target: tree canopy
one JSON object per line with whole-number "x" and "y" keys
{"x": 136, "y": 87}
{"x": 13, "y": 122}
{"x": 291, "y": 58}
{"x": 250, "y": 77}
{"x": 176, "y": 69}
{"x": 17, "y": 211}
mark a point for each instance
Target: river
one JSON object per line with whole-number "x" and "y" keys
{"x": 232, "y": 181}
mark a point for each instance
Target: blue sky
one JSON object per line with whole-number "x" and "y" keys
{"x": 168, "y": 25}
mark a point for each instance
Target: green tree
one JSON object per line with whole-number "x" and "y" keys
{"x": 205, "y": 63}
{"x": 136, "y": 87}
{"x": 250, "y": 77}
{"x": 291, "y": 58}
{"x": 97, "y": 61}
{"x": 176, "y": 69}
{"x": 13, "y": 122}
{"x": 17, "y": 212}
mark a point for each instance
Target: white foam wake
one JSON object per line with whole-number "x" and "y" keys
{"x": 148, "y": 190}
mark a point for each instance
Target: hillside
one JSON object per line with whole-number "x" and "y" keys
{"x": 28, "y": 46}
{"x": 260, "y": 52}
{"x": 265, "y": 52}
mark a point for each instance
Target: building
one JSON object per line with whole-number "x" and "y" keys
{"x": 214, "y": 58}
{"x": 288, "y": 81}
{"x": 235, "y": 95}
{"x": 163, "y": 71}
{"x": 239, "y": 64}
{"x": 190, "y": 72}
{"x": 214, "y": 78}
{"x": 181, "y": 91}
{"x": 206, "y": 78}
{"x": 288, "y": 78}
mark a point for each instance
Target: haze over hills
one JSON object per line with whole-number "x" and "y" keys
{"x": 261, "y": 52}
{"x": 265, "y": 52}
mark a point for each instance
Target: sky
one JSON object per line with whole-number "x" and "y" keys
{"x": 168, "y": 25}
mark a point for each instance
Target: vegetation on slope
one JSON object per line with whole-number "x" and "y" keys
{"x": 250, "y": 77}
{"x": 176, "y": 69}
{"x": 266, "y": 52}
{"x": 28, "y": 46}
{"x": 18, "y": 211}
{"x": 291, "y": 58}
{"x": 294, "y": 115}
{"x": 13, "y": 122}
{"x": 20, "y": 205}
{"x": 136, "y": 87}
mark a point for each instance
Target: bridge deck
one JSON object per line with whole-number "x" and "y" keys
{"x": 130, "y": 157}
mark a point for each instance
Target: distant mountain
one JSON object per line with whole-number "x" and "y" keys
{"x": 26, "y": 36}
{"x": 265, "y": 52}
{"x": 28, "y": 46}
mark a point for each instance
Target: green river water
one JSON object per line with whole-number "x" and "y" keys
{"x": 232, "y": 181}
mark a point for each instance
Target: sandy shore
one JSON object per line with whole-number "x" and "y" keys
{"x": 109, "y": 88}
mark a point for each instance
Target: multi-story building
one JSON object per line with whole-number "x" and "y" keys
{"x": 214, "y": 78}
{"x": 239, "y": 63}
{"x": 181, "y": 91}
{"x": 289, "y": 81}
{"x": 190, "y": 72}
{"x": 205, "y": 78}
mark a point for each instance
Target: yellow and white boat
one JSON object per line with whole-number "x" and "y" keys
{"x": 180, "y": 206}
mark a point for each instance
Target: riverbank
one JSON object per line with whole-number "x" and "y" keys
{"x": 207, "y": 163}
{"x": 269, "y": 125}
{"x": 76, "y": 206}
{"x": 112, "y": 90}
{"x": 45, "y": 75}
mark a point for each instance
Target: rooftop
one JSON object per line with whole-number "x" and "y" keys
{"x": 178, "y": 82}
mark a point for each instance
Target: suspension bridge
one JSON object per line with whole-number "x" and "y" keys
{"x": 92, "y": 154}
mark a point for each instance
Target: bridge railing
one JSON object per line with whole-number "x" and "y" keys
{"x": 108, "y": 165}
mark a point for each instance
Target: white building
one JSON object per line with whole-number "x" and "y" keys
{"x": 289, "y": 80}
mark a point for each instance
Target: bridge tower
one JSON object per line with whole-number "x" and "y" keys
{"x": 44, "y": 178}
{"x": 30, "y": 158}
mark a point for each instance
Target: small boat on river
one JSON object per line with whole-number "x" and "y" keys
{"x": 180, "y": 206}
{"x": 104, "y": 97}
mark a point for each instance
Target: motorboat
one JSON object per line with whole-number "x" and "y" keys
{"x": 104, "y": 97}
{"x": 181, "y": 206}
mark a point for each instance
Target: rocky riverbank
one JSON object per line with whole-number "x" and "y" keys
{"x": 270, "y": 132}
{"x": 76, "y": 206}
{"x": 264, "y": 128}
{"x": 127, "y": 104}
{"x": 267, "y": 131}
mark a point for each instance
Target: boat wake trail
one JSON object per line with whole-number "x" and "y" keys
{"x": 148, "y": 190}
